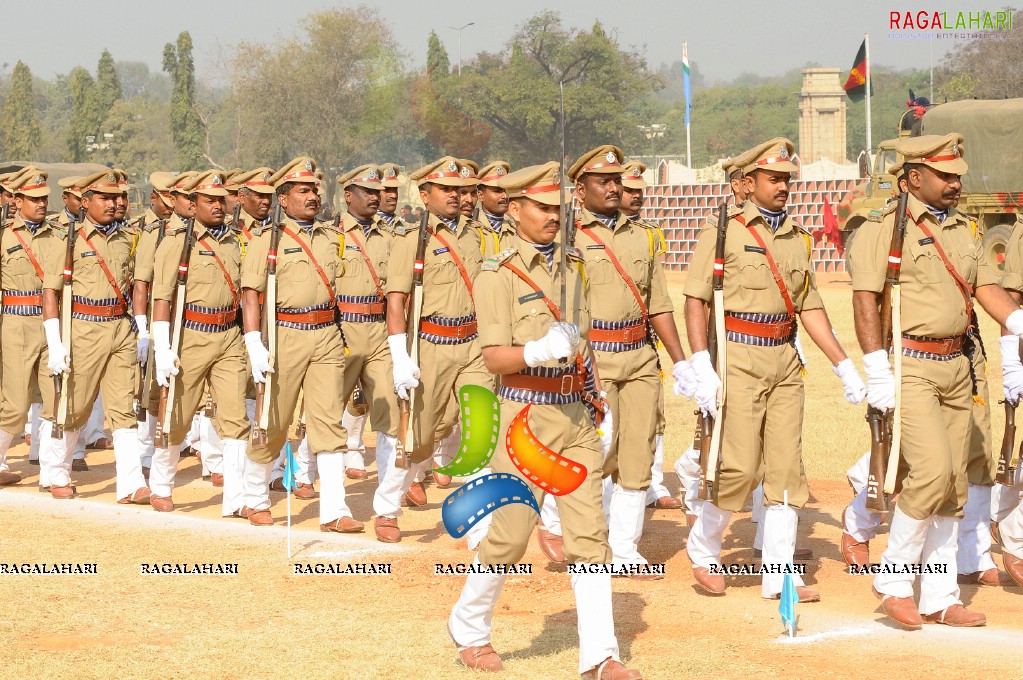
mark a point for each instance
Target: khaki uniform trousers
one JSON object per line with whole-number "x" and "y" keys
{"x": 982, "y": 460}
{"x": 210, "y": 363}
{"x": 313, "y": 361}
{"x": 25, "y": 373}
{"x": 761, "y": 435}
{"x": 632, "y": 383}
{"x": 567, "y": 430}
{"x": 937, "y": 417}
{"x": 370, "y": 361}
{"x": 102, "y": 358}
{"x": 444, "y": 370}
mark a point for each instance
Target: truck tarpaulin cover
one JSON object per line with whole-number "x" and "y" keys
{"x": 989, "y": 128}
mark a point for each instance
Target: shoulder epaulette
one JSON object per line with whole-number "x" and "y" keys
{"x": 733, "y": 209}
{"x": 878, "y": 214}
{"x": 494, "y": 263}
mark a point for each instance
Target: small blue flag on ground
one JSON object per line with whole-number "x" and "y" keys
{"x": 787, "y": 606}
{"x": 290, "y": 468}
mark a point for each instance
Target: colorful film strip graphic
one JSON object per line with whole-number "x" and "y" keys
{"x": 553, "y": 473}
{"x": 476, "y": 499}
{"x": 481, "y": 426}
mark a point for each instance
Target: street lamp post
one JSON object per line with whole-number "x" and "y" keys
{"x": 471, "y": 23}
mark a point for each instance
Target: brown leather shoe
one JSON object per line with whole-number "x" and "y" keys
{"x": 140, "y": 497}
{"x": 257, "y": 518}
{"x": 668, "y": 503}
{"x": 957, "y": 616}
{"x": 217, "y": 479}
{"x": 62, "y": 492}
{"x": 610, "y": 669}
{"x": 990, "y": 577}
{"x": 441, "y": 480}
{"x": 902, "y": 610}
{"x": 101, "y": 444}
{"x": 145, "y": 472}
{"x": 161, "y": 503}
{"x": 415, "y": 496}
{"x": 7, "y": 478}
{"x": 278, "y": 485}
{"x": 343, "y": 525}
{"x": 551, "y": 545}
{"x": 387, "y": 530}
{"x": 79, "y": 465}
{"x": 1014, "y": 567}
{"x": 355, "y": 473}
{"x": 805, "y": 595}
{"x": 188, "y": 451}
{"x": 712, "y": 584}
{"x": 855, "y": 552}
{"x": 482, "y": 658}
{"x": 304, "y": 491}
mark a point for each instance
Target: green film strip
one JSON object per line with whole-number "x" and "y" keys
{"x": 481, "y": 425}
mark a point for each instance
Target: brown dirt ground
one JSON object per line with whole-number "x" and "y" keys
{"x": 267, "y": 622}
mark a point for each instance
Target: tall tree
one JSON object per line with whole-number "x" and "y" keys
{"x": 186, "y": 128}
{"x": 438, "y": 65}
{"x": 85, "y": 116}
{"x": 20, "y": 120}
{"x": 986, "y": 67}
{"x": 108, "y": 85}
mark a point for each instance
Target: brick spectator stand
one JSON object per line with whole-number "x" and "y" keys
{"x": 683, "y": 210}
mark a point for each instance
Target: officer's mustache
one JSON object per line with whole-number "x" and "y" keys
{"x": 950, "y": 193}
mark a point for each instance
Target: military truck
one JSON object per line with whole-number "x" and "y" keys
{"x": 992, "y": 189}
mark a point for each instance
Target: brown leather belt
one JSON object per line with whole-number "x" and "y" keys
{"x": 628, "y": 335}
{"x": 214, "y": 319}
{"x": 459, "y": 332}
{"x": 778, "y": 330}
{"x": 314, "y": 318}
{"x": 22, "y": 300}
{"x": 106, "y": 311}
{"x": 375, "y": 308}
{"x": 570, "y": 383}
{"x": 943, "y": 346}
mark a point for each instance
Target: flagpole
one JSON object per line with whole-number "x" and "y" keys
{"x": 685, "y": 65}
{"x": 866, "y": 41}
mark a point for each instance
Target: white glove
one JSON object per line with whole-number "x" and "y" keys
{"x": 708, "y": 385}
{"x": 1012, "y": 369}
{"x": 880, "y": 381}
{"x": 1015, "y": 322}
{"x": 685, "y": 379}
{"x": 607, "y": 427}
{"x": 166, "y": 360}
{"x": 799, "y": 351}
{"x": 406, "y": 373}
{"x": 59, "y": 361}
{"x": 259, "y": 356}
{"x": 855, "y": 390}
{"x": 142, "y": 348}
{"x": 557, "y": 344}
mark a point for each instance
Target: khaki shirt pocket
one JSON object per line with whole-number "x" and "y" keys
{"x": 599, "y": 269}
{"x": 530, "y": 323}
{"x": 928, "y": 265}
{"x": 797, "y": 277}
{"x": 967, "y": 264}
{"x": 440, "y": 271}
{"x": 353, "y": 266}
{"x": 639, "y": 269}
{"x": 294, "y": 270}
{"x": 754, "y": 273}
{"x": 19, "y": 265}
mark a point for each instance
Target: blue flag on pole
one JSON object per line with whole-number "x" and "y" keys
{"x": 290, "y": 468}
{"x": 685, "y": 80}
{"x": 787, "y": 606}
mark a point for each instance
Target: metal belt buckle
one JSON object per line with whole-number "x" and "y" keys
{"x": 461, "y": 332}
{"x": 567, "y": 385}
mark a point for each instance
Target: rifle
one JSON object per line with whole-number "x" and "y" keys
{"x": 268, "y": 328}
{"x": 236, "y": 216}
{"x": 60, "y": 381}
{"x": 710, "y": 428}
{"x": 140, "y": 389}
{"x": 166, "y": 409}
{"x": 147, "y": 372}
{"x": 300, "y": 428}
{"x": 885, "y": 428}
{"x": 1006, "y": 470}
{"x": 357, "y": 405}
{"x": 414, "y": 311}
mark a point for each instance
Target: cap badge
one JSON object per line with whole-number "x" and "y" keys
{"x": 557, "y": 180}
{"x": 110, "y": 177}
{"x": 391, "y": 172}
{"x": 610, "y": 157}
{"x": 500, "y": 172}
{"x": 452, "y": 166}
{"x": 38, "y": 179}
{"x": 636, "y": 172}
{"x": 266, "y": 176}
{"x": 466, "y": 171}
{"x": 309, "y": 166}
{"x": 215, "y": 180}
{"x": 955, "y": 148}
{"x": 783, "y": 152}
{"x": 372, "y": 174}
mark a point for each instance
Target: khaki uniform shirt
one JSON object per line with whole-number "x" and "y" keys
{"x": 749, "y": 285}
{"x": 299, "y": 285}
{"x": 1012, "y": 277}
{"x": 88, "y": 278}
{"x": 932, "y": 305}
{"x": 145, "y": 253}
{"x": 355, "y": 278}
{"x": 635, "y": 244}
{"x": 494, "y": 242}
{"x": 444, "y": 290}
{"x": 17, "y": 269}
{"x": 207, "y": 282}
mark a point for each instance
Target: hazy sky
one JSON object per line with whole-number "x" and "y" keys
{"x": 725, "y": 38}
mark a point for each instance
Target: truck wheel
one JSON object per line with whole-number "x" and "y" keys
{"x": 995, "y": 241}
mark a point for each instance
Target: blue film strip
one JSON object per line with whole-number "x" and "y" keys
{"x": 474, "y": 500}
